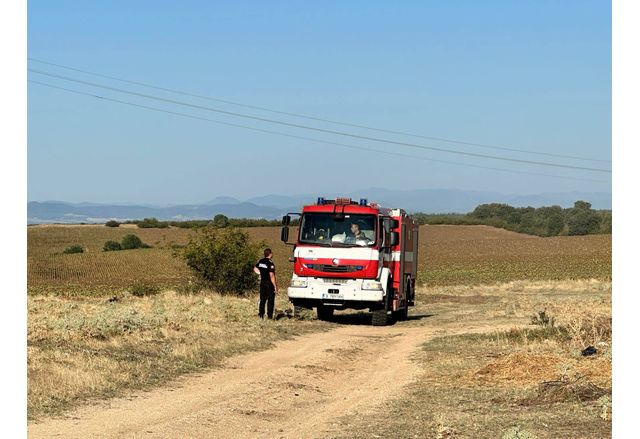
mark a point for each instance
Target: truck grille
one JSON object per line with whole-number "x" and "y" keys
{"x": 336, "y": 268}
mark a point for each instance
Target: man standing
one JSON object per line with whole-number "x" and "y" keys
{"x": 268, "y": 287}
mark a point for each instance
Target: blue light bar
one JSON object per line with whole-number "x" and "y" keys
{"x": 320, "y": 201}
{"x": 363, "y": 201}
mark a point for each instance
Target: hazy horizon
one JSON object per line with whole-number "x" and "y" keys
{"x": 311, "y": 195}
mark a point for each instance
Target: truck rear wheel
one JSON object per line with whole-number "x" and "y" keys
{"x": 379, "y": 317}
{"x": 324, "y": 312}
{"x": 403, "y": 313}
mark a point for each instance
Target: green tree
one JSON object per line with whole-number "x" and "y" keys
{"x": 220, "y": 221}
{"x": 497, "y": 211}
{"x": 582, "y": 220}
{"x": 606, "y": 222}
{"x": 555, "y": 224}
{"x": 582, "y": 205}
{"x": 112, "y": 223}
{"x": 223, "y": 258}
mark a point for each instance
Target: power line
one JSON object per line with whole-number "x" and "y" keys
{"x": 319, "y": 119}
{"x": 302, "y": 137}
{"x": 306, "y": 127}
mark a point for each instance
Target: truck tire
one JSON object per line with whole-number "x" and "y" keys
{"x": 403, "y": 313}
{"x": 379, "y": 317}
{"x": 325, "y": 313}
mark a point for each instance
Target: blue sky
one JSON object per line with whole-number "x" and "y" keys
{"x": 532, "y": 75}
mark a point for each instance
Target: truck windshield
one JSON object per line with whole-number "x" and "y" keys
{"x": 347, "y": 230}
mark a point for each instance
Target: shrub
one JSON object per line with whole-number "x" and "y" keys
{"x": 131, "y": 241}
{"x": 112, "y": 223}
{"x": 541, "y": 318}
{"x": 110, "y": 246}
{"x": 152, "y": 223}
{"x": 73, "y": 249}
{"x": 144, "y": 289}
{"x": 223, "y": 259}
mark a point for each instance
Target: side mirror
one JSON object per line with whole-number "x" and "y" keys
{"x": 284, "y": 234}
{"x": 386, "y": 225}
{"x": 394, "y": 239}
{"x": 286, "y": 220}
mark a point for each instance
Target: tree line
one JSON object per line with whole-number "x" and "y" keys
{"x": 581, "y": 219}
{"x": 219, "y": 221}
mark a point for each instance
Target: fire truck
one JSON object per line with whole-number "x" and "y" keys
{"x": 353, "y": 255}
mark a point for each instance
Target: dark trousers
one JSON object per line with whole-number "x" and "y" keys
{"x": 268, "y": 297}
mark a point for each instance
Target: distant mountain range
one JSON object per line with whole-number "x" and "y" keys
{"x": 274, "y": 206}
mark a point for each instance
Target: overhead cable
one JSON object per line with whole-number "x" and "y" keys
{"x": 306, "y": 127}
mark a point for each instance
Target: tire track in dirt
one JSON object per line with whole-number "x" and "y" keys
{"x": 298, "y": 389}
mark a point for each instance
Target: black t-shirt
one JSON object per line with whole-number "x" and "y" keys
{"x": 266, "y": 266}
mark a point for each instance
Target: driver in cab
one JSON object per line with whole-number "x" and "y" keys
{"x": 356, "y": 234}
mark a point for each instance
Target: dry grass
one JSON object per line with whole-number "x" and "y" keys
{"x": 83, "y": 348}
{"x": 530, "y": 380}
{"x": 521, "y": 368}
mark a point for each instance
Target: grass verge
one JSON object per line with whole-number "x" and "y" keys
{"x": 95, "y": 348}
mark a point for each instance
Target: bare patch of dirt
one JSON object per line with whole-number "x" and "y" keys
{"x": 263, "y": 394}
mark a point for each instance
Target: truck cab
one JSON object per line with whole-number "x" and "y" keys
{"x": 353, "y": 255}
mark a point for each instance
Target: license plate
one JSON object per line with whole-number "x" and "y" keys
{"x": 333, "y": 294}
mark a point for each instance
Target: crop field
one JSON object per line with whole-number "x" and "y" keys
{"x": 455, "y": 255}
{"x": 448, "y": 255}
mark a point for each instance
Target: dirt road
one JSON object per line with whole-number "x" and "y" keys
{"x": 298, "y": 389}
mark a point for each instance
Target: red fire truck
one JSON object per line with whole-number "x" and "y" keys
{"x": 356, "y": 255}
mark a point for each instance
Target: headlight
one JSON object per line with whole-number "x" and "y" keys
{"x": 299, "y": 283}
{"x": 371, "y": 285}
